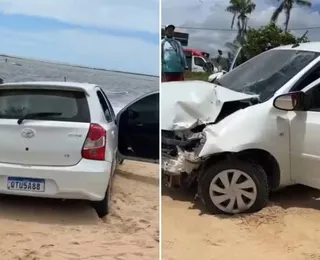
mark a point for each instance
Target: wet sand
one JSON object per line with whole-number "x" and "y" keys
{"x": 42, "y": 229}
{"x": 289, "y": 228}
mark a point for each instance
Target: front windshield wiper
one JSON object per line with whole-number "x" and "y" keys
{"x": 37, "y": 115}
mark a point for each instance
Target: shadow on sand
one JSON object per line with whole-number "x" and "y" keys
{"x": 47, "y": 211}
{"x": 297, "y": 196}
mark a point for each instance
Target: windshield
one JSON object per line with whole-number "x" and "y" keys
{"x": 265, "y": 74}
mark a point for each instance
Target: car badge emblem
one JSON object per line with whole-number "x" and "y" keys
{"x": 28, "y": 133}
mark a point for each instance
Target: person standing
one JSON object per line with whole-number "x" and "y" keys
{"x": 173, "y": 59}
{"x": 219, "y": 59}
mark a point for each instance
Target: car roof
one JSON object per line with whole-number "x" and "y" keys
{"x": 85, "y": 86}
{"x": 307, "y": 46}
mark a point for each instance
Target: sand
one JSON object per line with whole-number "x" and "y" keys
{"x": 289, "y": 228}
{"x": 41, "y": 229}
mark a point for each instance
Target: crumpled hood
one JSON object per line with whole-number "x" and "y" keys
{"x": 186, "y": 104}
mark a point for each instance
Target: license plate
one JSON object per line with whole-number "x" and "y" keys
{"x": 25, "y": 184}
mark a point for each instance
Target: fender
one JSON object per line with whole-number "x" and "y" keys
{"x": 251, "y": 128}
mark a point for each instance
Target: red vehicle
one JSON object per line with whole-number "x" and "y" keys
{"x": 196, "y": 59}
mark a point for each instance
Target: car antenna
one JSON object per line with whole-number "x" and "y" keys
{"x": 297, "y": 44}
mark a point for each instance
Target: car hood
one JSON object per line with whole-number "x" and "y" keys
{"x": 186, "y": 104}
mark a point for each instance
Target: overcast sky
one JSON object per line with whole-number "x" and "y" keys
{"x": 212, "y": 14}
{"x": 111, "y": 34}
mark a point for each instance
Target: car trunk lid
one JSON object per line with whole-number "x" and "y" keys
{"x": 53, "y": 140}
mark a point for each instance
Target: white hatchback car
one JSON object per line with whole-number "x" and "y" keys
{"x": 255, "y": 130}
{"x": 62, "y": 139}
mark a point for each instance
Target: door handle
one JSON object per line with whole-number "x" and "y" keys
{"x": 139, "y": 125}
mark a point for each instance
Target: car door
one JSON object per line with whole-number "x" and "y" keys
{"x": 110, "y": 125}
{"x": 305, "y": 139}
{"x": 238, "y": 59}
{"x": 138, "y": 129}
{"x": 198, "y": 64}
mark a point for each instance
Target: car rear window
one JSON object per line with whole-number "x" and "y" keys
{"x": 16, "y": 103}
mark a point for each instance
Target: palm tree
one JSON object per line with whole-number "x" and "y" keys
{"x": 286, "y": 7}
{"x": 240, "y": 10}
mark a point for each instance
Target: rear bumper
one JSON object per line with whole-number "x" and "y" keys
{"x": 87, "y": 180}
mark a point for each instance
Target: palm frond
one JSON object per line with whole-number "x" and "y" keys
{"x": 231, "y": 9}
{"x": 303, "y": 3}
{"x": 277, "y": 12}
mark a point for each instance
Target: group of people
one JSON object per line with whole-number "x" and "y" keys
{"x": 173, "y": 59}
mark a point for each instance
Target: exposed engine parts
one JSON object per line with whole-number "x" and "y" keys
{"x": 184, "y": 162}
{"x": 178, "y": 151}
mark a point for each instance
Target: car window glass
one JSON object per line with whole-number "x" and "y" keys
{"x": 312, "y": 75}
{"x": 146, "y": 109}
{"x": 73, "y": 106}
{"x": 109, "y": 104}
{"x": 104, "y": 106}
{"x": 198, "y": 61}
{"x": 314, "y": 97}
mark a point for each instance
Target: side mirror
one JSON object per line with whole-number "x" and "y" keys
{"x": 292, "y": 101}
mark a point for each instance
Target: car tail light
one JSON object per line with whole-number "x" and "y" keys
{"x": 94, "y": 147}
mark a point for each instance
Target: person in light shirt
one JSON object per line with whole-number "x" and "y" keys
{"x": 173, "y": 59}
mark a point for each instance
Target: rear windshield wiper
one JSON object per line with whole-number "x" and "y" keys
{"x": 37, "y": 115}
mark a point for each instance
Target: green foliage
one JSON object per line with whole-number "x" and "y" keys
{"x": 267, "y": 37}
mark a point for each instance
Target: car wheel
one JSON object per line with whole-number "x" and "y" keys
{"x": 234, "y": 186}
{"x": 102, "y": 206}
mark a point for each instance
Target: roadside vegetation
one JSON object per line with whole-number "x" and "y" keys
{"x": 196, "y": 75}
{"x": 241, "y": 10}
{"x": 255, "y": 41}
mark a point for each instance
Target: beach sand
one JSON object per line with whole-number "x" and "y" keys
{"x": 41, "y": 229}
{"x": 288, "y": 229}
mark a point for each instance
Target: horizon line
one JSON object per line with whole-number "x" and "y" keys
{"x": 79, "y": 66}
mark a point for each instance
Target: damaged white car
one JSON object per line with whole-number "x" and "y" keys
{"x": 252, "y": 132}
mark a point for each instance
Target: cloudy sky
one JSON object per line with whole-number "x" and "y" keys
{"x": 112, "y": 34}
{"x": 212, "y": 14}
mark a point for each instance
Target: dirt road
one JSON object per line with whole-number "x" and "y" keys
{"x": 289, "y": 228}
{"x": 52, "y": 230}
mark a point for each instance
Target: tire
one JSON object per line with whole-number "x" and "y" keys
{"x": 102, "y": 206}
{"x": 119, "y": 159}
{"x": 252, "y": 175}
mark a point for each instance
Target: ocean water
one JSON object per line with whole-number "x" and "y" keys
{"x": 121, "y": 88}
